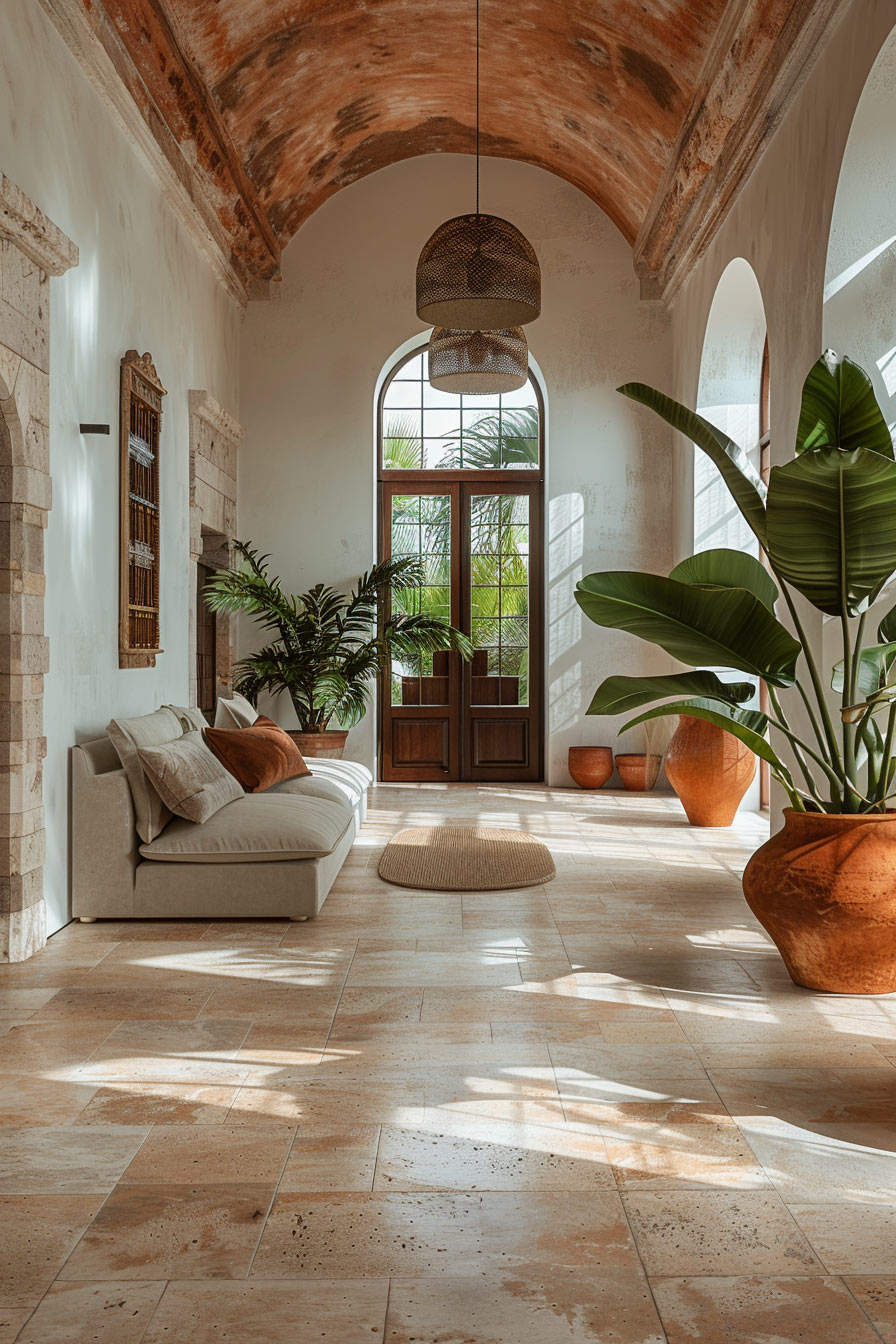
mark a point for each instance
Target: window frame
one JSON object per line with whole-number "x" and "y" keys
{"x": 428, "y": 474}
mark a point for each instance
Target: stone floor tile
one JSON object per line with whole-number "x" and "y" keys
{"x": 261, "y": 1313}
{"x": 425, "y": 1235}
{"x": 28, "y": 1100}
{"x": 647, "y": 1156}
{"x": 332, "y": 1159}
{"x": 35, "y": 1048}
{"x": 450, "y": 1151}
{"x": 73, "y": 1159}
{"x": 876, "y": 1295}
{"x": 850, "y": 1238}
{"x": 560, "y": 1309}
{"x": 158, "y": 1104}
{"x": 474, "y": 968}
{"x": 823, "y": 1164}
{"x": 755, "y": 1310}
{"x": 81, "y": 1003}
{"x": 103, "y": 1313}
{"x": 37, "y": 1234}
{"x": 212, "y": 1154}
{"x": 685, "y": 1233}
{"x": 173, "y": 1231}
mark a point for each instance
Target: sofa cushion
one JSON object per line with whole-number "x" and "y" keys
{"x": 257, "y": 828}
{"x": 330, "y": 778}
{"x": 127, "y": 737}
{"x": 235, "y": 712}
{"x": 189, "y": 778}
{"x": 259, "y": 756}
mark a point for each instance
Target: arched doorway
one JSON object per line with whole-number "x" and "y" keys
{"x": 461, "y": 483}
{"x": 734, "y": 395}
{"x": 860, "y": 274}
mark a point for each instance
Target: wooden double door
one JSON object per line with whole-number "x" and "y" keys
{"x": 479, "y": 536}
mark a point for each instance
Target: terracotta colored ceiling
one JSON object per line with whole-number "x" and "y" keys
{"x": 277, "y": 104}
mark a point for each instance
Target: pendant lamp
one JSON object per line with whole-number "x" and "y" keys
{"x": 478, "y": 272}
{"x": 480, "y": 363}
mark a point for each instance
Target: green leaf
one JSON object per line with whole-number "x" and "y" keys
{"x": 832, "y": 526}
{"x": 839, "y": 409}
{"x": 748, "y": 725}
{"x": 744, "y": 483}
{"x": 886, "y": 631}
{"x": 713, "y": 627}
{"x": 619, "y": 695}
{"x": 873, "y": 661}
{"x": 724, "y": 568}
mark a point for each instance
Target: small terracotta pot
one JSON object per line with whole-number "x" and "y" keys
{"x": 824, "y": 888}
{"x": 590, "y": 767}
{"x": 330, "y": 743}
{"x": 637, "y": 771}
{"x": 709, "y": 769}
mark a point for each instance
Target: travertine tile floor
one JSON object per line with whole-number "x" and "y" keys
{"x": 593, "y": 1111}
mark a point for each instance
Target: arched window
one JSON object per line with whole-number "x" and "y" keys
{"x": 461, "y": 482}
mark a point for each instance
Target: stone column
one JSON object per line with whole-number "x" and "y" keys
{"x": 31, "y": 250}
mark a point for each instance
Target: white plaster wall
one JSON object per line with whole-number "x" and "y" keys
{"x": 140, "y": 283}
{"x": 779, "y": 223}
{"x": 309, "y": 372}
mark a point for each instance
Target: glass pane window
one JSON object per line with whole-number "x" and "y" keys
{"x": 421, "y": 526}
{"x": 425, "y": 428}
{"x": 499, "y": 599}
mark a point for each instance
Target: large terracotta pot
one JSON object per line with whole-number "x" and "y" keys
{"x": 824, "y": 888}
{"x": 709, "y": 769}
{"x": 331, "y": 743}
{"x": 590, "y": 767}
{"x": 637, "y": 771}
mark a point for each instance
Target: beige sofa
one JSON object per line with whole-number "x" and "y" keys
{"x": 264, "y": 855}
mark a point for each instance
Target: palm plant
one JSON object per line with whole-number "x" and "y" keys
{"x": 827, "y": 526}
{"x": 328, "y": 645}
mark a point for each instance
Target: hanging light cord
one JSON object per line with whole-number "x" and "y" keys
{"x": 477, "y": 107}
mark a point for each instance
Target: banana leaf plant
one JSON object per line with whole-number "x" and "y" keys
{"x": 328, "y": 646}
{"x": 826, "y": 525}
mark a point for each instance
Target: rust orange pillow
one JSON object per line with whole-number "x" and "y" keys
{"x": 259, "y": 756}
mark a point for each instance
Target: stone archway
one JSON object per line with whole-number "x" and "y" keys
{"x": 32, "y": 249}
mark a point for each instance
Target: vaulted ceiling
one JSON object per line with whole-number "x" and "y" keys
{"x": 264, "y": 108}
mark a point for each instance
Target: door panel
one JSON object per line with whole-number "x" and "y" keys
{"x": 481, "y": 545}
{"x": 501, "y": 579}
{"x": 421, "y": 703}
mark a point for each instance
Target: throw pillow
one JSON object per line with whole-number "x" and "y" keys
{"x": 258, "y": 756}
{"x": 189, "y": 778}
{"x": 128, "y": 736}
{"x": 235, "y": 712}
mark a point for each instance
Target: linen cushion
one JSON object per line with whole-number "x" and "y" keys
{"x": 330, "y": 779}
{"x": 189, "y": 778}
{"x": 259, "y": 756}
{"x": 257, "y": 828}
{"x": 127, "y": 737}
{"x": 235, "y": 712}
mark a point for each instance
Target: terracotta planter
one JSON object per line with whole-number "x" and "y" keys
{"x": 590, "y": 767}
{"x": 637, "y": 771}
{"x": 709, "y": 770}
{"x": 824, "y": 888}
{"x": 330, "y": 743}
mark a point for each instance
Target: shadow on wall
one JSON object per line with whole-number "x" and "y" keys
{"x": 565, "y": 552}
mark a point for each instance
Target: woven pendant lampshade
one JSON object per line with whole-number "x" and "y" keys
{"x": 480, "y": 363}
{"x": 478, "y": 273}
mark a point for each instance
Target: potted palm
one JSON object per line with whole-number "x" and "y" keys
{"x": 328, "y": 646}
{"x": 825, "y": 885}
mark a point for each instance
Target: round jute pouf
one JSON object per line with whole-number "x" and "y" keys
{"x": 465, "y": 858}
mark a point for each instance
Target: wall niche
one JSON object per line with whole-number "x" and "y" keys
{"x": 141, "y": 432}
